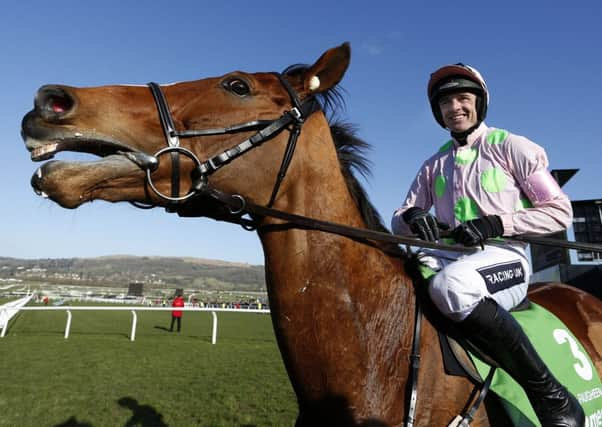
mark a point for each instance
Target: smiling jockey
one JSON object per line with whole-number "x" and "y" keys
{"x": 486, "y": 183}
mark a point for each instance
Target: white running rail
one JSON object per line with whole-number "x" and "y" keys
{"x": 10, "y": 309}
{"x": 69, "y": 309}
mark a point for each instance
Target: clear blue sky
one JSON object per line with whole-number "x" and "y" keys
{"x": 543, "y": 65}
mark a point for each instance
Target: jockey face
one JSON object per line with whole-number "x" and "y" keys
{"x": 458, "y": 110}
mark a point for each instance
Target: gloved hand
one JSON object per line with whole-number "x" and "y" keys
{"x": 423, "y": 223}
{"x": 476, "y": 231}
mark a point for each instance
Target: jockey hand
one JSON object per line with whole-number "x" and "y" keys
{"x": 476, "y": 231}
{"x": 423, "y": 223}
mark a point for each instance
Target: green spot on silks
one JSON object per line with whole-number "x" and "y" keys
{"x": 466, "y": 209}
{"x": 493, "y": 180}
{"x": 446, "y": 146}
{"x": 497, "y": 136}
{"x": 465, "y": 157}
{"x": 440, "y": 185}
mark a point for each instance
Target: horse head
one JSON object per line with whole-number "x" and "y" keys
{"x": 123, "y": 126}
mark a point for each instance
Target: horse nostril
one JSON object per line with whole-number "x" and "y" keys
{"x": 54, "y": 102}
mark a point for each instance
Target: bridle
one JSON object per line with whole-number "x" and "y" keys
{"x": 291, "y": 120}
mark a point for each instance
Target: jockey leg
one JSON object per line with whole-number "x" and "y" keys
{"x": 476, "y": 291}
{"x": 495, "y": 332}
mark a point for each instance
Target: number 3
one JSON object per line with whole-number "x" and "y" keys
{"x": 583, "y": 367}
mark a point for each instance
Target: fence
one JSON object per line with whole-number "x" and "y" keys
{"x": 10, "y": 309}
{"x": 69, "y": 309}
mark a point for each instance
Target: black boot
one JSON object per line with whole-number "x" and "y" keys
{"x": 496, "y": 333}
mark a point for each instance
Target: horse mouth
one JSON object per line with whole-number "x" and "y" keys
{"x": 45, "y": 150}
{"x": 72, "y": 182}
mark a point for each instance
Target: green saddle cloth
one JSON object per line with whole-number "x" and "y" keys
{"x": 566, "y": 358}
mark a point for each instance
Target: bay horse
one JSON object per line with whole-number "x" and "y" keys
{"x": 342, "y": 308}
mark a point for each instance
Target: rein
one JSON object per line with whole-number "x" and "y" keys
{"x": 291, "y": 120}
{"x": 239, "y": 206}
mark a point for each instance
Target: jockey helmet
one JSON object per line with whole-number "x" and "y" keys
{"x": 457, "y": 78}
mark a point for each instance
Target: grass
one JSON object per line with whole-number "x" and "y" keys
{"x": 98, "y": 377}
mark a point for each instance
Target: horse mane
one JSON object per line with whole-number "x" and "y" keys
{"x": 351, "y": 152}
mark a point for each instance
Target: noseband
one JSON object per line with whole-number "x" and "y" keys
{"x": 291, "y": 120}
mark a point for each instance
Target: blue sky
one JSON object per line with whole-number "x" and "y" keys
{"x": 542, "y": 64}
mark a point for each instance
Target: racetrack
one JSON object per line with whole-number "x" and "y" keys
{"x": 98, "y": 377}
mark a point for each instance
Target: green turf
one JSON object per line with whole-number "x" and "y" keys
{"x": 98, "y": 377}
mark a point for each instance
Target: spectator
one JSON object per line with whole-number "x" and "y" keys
{"x": 176, "y": 315}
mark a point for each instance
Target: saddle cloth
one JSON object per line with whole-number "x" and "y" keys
{"x": 564, "y": 356}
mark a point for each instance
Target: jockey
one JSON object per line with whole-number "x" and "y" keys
{"x": 486, "y": 183}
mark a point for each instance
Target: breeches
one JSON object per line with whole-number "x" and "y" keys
{"x": 463, "y": 280}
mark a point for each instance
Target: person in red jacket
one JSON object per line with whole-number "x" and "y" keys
{"x": 176, "y": 315}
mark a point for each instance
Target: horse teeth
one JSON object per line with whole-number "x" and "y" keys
{"x": 44, "y": 150}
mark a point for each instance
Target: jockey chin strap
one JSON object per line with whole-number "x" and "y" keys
{"x": 292, "y": 120}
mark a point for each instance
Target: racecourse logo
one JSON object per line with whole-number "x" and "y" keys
{"x": 502, "y": 276}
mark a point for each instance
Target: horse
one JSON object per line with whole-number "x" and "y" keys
{"x": 342, "y": 306}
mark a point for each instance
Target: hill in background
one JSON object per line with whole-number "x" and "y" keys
{"x": 153, "y": 272}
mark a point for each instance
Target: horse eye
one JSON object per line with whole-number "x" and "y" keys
{"x": 237, "y": 86}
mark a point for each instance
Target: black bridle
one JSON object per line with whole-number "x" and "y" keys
{"x": 292, "y": 120}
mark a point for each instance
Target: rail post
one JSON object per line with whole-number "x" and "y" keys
{"x": 4, "y": 319}
{"x": 214, "y": 331}
{"x": 134, "y": 321}
{"x": 68, "y": 325}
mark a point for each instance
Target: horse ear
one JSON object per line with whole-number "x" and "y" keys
{"x": 328, "y": 70}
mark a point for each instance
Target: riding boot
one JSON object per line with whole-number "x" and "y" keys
{"x": 492, "y": 330}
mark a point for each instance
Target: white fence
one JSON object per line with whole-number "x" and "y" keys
{"x": 69, "y": 309}
{"x": 10, "y": 309}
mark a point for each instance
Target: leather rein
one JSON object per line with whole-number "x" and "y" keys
{"x": 291, "y": 120}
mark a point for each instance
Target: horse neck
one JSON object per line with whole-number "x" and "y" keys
{"x": 332, "y": 296}
{"x": 315, "y": 188}
{"x": 342, "y": 271}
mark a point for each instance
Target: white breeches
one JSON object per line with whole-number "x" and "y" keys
{"x": 464, "y": 279}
